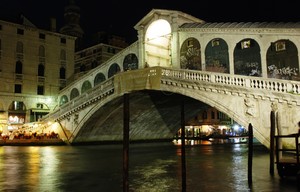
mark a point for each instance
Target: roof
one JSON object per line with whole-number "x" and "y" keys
{"x": 165, "y": 12}
{"x": 242, "y": 25}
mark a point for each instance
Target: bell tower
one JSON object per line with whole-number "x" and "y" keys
{"x": 72, "y": 22}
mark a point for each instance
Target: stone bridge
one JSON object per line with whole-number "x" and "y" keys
{"x": 97, "y": 115}
{"x": 245, "y": 70}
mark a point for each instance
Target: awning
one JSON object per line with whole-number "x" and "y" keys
{"x": 36, "y": 110}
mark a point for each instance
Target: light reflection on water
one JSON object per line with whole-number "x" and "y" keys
{"x": 28, "y": 168}
{"x": 157, "y": 176}
{"x": 153, "y": 167}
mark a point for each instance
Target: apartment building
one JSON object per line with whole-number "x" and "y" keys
{"x": 34, "y": 66}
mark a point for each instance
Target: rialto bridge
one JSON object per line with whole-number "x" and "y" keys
{"x": 245, "y": 70}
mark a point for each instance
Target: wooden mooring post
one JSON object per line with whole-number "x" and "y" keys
{"x": 250, "y": 154}
{"x": 126, "y": 143}
{"x": 272, "y": 142}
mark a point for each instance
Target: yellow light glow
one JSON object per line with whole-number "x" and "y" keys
{"x": 157, "y": 30}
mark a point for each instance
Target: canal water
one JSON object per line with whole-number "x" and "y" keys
{"x": 153, "y": 167}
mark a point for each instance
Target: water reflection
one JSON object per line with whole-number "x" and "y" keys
{"x": 28, "y": 168}
{"x": 157, "y": 175}
{"x": 239, "y": 169}
{"x": 32, "y": 166}
{"x": 152, "y": 167}
{"x": 210, "y": 141}
{"x": 10, "y": 167}
{"x": 50, "y": 169}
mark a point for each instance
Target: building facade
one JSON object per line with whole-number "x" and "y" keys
{"x": 34, "y": 65}
{"x": 210, "y": 121}
{"x": 92, "y": 57}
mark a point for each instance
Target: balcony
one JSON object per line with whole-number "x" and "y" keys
{"x": 40, "y": 79}
{"x": 19, "y": 77}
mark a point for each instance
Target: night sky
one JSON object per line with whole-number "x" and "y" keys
{"x": 120, "y": 16}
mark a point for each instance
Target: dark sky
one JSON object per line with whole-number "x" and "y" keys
{"x": 120, "y": 16}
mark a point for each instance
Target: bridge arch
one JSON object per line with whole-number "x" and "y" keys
{"x": 190, "y": 54}
{"x": 282, "y": 60}
{"x": 158, "y": 43}
{"x": 113, "y": 69}
{"x": 86, "y": 86}
{"x": 130, "y": 62}
{"x": 63, "y": 99}
{"x": 212, "y": 99}
{"x": 74, "y": 93}
{"x": 99, "y": 78}
{"x": 247, "y": 58}
{"x": 217, "y": 56}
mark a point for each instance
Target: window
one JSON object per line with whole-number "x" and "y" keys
{"x": 212, "y": 115}
{"x": 40, "y": 90}
{"x": 20, "y": 31}
{"x": 17, "y": 112}
{"x": 41, "y": 70}
{"x": 63, "y": 55}
{"x": 19, "y": 67}
{"x": 204, "y": 115}
{"x": 111, "y": 50}
{"x": 17, "y": 105}
{"x": 63, "y": 41}
{"x": 42, "y": 51}
{"x": 280, "y": 46}
{"x": 245, "y": 44}
{"x": 0, "y": 49}
{"x": 82, "y": 54}
{"x": 39, "y": 106}
{"x": 215, "y": 42}
{"x": 94, "y": 64}
{"x": 62, "y": 73}
{"x": 18, "y": 88}
{"x": 19, "y": 47}
{"x": 82, "y": 68}
{"x": 42, "y": 36}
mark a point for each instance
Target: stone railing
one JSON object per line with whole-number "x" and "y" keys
{"x": 91, "y": 96}
{"x": 258, "y": 83}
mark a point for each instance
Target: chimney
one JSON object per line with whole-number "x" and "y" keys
{"x": 52, "y": 24}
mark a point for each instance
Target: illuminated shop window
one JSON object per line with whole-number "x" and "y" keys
{"x": 16, "y": 119}
{"x": 17, "y": 113}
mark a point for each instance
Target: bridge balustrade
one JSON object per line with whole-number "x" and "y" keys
{"x": 277, "y": 85}
{"x": 91, "y": 96}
